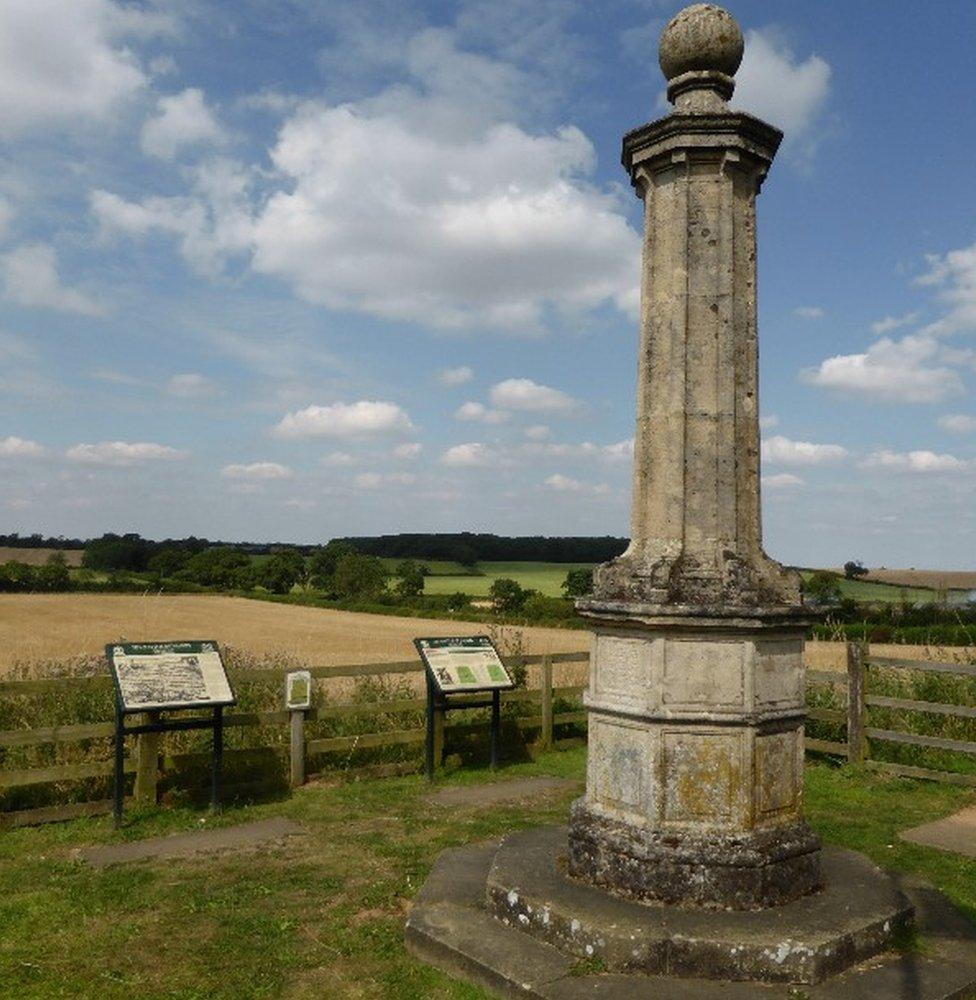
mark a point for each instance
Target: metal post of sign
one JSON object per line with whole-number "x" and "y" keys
{"x": 119, "y": 790}
{"x": 495, "y": 727}
{"x": 431, "y": 709}
{"x": 218, "y": 757}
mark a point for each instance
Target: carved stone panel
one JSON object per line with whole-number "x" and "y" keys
{"x": 778, "y": 775}
{"x": 704, "y": 674}
{"x": 779, "y": 674}
{"x": 703, "y": 778}
{"x": 621, "y": 761}
{"x": 621, "y": 669}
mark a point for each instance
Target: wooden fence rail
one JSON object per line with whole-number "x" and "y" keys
{"x": 542, "y": 720}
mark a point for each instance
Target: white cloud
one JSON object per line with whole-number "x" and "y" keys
{"x": 622, "y": 451}
{"x": 181, "y": 120}
{"x": 337, "y": 459}
{"x": 619, "y": 451}
{"x": 455, "y": 376}
{"x": 122, "y": 453}
{"x": 471, "y": 454}
{"x": 890, "y": 323}
{"x": 65, "y": 63}
{"x": 958, "y": 423}
{"x": 524, "y": 394}
{"x": 916, "y": 461}
{"x": 15, "y": 447}
{"x": 782, "y": 480}
{"x": 409, "y": 450}
{"x": 768, "y": 422}
{"x": 775, "y": 85}
{"x": 300, "y": 503}
{"x": 480, "y": 413}
{"x": 808, "y": 312}
{"x": 906, "y": 370}
{"x": 30, "y": 278}
{"x": 537, "y": 432}
{"x": 361, "y": 419}
{"x": 191, "y": 386}
{"x": 566, "y": 484}
{"x": 780, "y": 450}
{"x": 378, "y": 480}
{"x": 257, "y": 471}
{"x": 954, "y": 274}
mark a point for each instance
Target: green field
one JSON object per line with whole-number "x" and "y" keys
{"x": 545, "y": 577}
{"x": 862, "y": 590}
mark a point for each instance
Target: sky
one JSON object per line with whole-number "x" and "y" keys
{"x": 294, "y": 270}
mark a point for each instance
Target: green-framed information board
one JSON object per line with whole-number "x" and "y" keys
{"x": 464, "y": 663}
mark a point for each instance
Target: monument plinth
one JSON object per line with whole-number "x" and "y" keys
{"x": 688, "y": 856}
{"x": 696, "y": 698}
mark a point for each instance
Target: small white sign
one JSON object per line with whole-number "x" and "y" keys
{"x": 298, "y": 689}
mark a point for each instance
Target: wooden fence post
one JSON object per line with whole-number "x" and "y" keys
{"x": 856, "y": 711}
{"x": 297, "y": 748}
{"x": 147, "y": 763}
{"x": 545, "y": 684}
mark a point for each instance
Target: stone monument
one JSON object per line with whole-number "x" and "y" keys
{"x": 688, "y": 855}
{"x": 696, "y": 700}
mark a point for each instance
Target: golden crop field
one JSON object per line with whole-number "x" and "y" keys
{"x": 40, "y": 627}
{"x": 38, "y": 557}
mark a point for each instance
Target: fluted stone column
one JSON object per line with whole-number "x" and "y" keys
{"x": 696, "y": 696}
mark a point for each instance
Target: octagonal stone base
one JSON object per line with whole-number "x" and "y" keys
{"x": 858, "y": 915}
{"x": 744, "y": 871}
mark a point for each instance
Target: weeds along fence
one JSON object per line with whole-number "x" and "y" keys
{"x": 906, "y": 717}
{"x": 911, "y": 718}
{"x": 365, "y": 720}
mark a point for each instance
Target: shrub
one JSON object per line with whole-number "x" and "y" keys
{"x": 507, "y": 595}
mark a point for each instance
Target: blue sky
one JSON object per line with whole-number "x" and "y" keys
{"x": 299, "y": 269}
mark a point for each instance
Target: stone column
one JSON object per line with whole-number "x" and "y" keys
{"x": 696, "y": 697}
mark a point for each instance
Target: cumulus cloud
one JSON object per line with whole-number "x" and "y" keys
{"x": 480, "y": 413}
{"x": 524, "y": 394}
{"x": 337, "y": 459}
{"x": 958, "y": 423}
{"x": 30, "y": 278}
{"x": 365, "y": 418}
{"x": 380, "y": 480}
{"x": 16, "y": 447}
{"x": 769, "y": 421}
{"x": 455, "y": 376}
{"x": 67, "y": 64}
{"x": 256, "y": 471}
{"x": 537, "y": 432}
{"x": 808, "y": 312}
{"x": 471, "y": 454}
{"x": 408, "y": 450}
{"x": 122, "y": 453}
{"x": 779, "y": 450}
{"x": 891, "y": 323}
{"x": 954, "y": 275}
{"x": 775, "y": 85}
{"x": 916, "y": 461}
{"x": 906, "y": 370}
{"x": 782, "y": 481}
{"x": 191, "y": 385}
{"x": 566, "y": 484}
{"x": 181, "y": 120}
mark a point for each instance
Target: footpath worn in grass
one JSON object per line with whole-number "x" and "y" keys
{"x": 322, "y": 914}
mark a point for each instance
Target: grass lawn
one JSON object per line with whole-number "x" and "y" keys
{"x": 322, "y": 916}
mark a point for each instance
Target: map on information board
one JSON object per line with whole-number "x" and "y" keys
{"x": 464, "y": 663}
{"x": 157, "y": 675}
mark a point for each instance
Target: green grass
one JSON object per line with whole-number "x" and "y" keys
{"x": 864, "y": 590}
{"x": 545, "y": 577}
{"x": 322, "y": 915}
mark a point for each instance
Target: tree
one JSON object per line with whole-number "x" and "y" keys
{"x": 168, "y": 561}
{"x": 578, "y": 582}
{"x": 854, "y": 569}
{"x": 16, "y": 577}
{"x": 823, "y": 587}
{"x": 117, "y": 552}
{"x": 357, "y": 575}
{"x": 507, "y": 595}
{"x": 323, "y": 562}
{"x": 220, "y": 566}
{"x": 411, "y": 578}
{"x": 53, "y": 576}
{"x": 280, "y": 571}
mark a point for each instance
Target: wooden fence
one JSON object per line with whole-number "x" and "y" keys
{"x": 146, "y": 761}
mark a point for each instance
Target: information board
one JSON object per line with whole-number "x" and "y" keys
{"x": 160, "y": 675}
{"x": 464, "y": 663}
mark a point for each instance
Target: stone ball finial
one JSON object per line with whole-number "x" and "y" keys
{"x": 701, "y": 49}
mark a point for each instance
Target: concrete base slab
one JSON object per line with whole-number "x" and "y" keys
{"x": 451, "y": 927}
{"x": 956, "y": 833}
{"x": 184, "y": 845}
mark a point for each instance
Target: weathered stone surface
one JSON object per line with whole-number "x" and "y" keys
{"x": 450, "y": 927}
